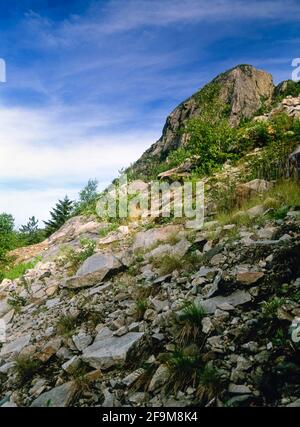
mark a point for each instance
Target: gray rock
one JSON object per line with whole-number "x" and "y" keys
{"x": 159, "y": 378}
{"x": 106, "y": 352}
{"x": 15, "y": 346}
{"x": 82, "y": 340}
{"x": 94, "y": 270}
{"x": 235, "y": 299}
{"x": 59, "y": 397}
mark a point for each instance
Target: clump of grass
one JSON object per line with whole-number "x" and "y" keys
{"x": 66, "y": 325}
{"x": 190, "y": 323}
{"x": 167, "y": 264}
{"x": 113, "y": 226}
{"x": 183, "y": 369}
{"x": 141, "y": 306}
{"x": 269, "y": 308}
{"x": 209, "y": 384}
{"x": 19, "y": 270}
{"x": 280, "y": 198}
{"x": 26, "y": 367}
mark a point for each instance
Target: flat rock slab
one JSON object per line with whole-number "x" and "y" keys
{"x": 108, "y": 351}
{"x": 15, "y": 346}
{"x": 235, "y": 299}
{"x": 59, "y": 397}
{"x": 249, "y": 277}
{"x": 94, "y": 270}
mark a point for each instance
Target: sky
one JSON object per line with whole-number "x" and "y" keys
{"x": 90, "y": 83}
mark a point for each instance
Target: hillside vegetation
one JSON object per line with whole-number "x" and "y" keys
{"x": 143, "y": 311}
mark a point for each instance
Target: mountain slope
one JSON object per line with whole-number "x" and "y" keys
{"x": 242, "y": 91}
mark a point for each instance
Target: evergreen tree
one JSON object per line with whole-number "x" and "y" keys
{"x": 87, "y": 198}
{"x": 59, "y": 215}
{"x": 31, "y": 232}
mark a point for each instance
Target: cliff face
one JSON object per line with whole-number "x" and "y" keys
{"x": 243, "y": 90}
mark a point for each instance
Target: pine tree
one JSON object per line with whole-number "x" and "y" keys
{"x": 59, "y": 215}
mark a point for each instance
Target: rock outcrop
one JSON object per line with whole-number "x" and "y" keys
{"x": 244, "y": 89}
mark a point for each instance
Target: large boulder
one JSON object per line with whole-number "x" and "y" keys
{"x": 108, "y": 351}
{"x": 94, "y": 270}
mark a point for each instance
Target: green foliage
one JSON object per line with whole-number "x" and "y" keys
{"x": 190, "y": 320}
{"x": 13, "y": 272}
{"x": 209, "y": 383}
{"x": 16, "y": 301}
{"x": 76, "y": 258}
{"x": 141, "y": 306}
{"x": 291, "y": 88}
{"x": 26, "y": 367}
{"x": 184, "y": 370}
{"x": 7, "y": 235}
{"x": 113, "y": 226}
{"x": 30, "y": 232}
{"x": 269, "y": 308}
{"x": 59, "y": 215}
{"x": 87, "y": 199}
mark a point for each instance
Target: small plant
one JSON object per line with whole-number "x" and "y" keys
{"x": 269, "y": 308}
{"x": 66, "y": 325}
{"x": 26, "y": 367}
{"x": 184, "y": 370}
{"x": 191, "y": 323}
{"x": 209, "y": 383}
{"x": 16, "y": 301}
{"x": 141, "y": 305}
{"x": 108, "y": 229}
{"x": 75, "y": 259}
{"x": 279, "y": 339}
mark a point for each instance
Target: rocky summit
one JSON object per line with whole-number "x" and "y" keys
{"x": 145, "y": 311}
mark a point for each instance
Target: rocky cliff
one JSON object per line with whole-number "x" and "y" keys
{"x": 242, "y": 90}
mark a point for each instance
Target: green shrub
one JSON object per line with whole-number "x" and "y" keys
{"x": 26, "y": 367}
{"x": 209, "y": 384}
{"x": 269, "y": 308}
{"x": 16, "y": 301}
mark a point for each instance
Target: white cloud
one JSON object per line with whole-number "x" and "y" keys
{"x": 49, "y": 158}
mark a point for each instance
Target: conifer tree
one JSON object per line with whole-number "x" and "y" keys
{"x": 59, "y": 215}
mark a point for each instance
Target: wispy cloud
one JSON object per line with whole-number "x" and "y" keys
{"x": 88, "y": 92}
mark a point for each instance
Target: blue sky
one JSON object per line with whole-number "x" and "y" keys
{"x": 90, "y": 83}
